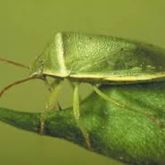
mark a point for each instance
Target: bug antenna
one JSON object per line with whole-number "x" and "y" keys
{"x": 15, "y": 83}
{"x": 14, "y": 63}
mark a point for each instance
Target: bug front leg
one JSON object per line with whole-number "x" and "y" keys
{"x": 53, "y": 97}
{"x": 52, "y": 103}
{"x": 54, "y": 89}
{"x": 76, "y": 111}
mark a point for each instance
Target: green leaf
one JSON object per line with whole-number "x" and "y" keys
{"x": 132, "y": 131}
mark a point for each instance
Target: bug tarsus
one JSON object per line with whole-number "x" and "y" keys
{"x": 42, "y": 123}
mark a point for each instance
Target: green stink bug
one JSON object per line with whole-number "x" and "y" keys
{"x": 95, "y": 59}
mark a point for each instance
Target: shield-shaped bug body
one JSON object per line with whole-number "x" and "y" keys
{"x": 99, "y": 58}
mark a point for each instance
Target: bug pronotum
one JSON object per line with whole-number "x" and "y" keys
{"x": 95, "y": 59}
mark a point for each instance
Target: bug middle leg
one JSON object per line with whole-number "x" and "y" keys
{"x": 76, "y": 111}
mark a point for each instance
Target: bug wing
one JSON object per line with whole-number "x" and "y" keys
{"x": 104, "y": 57}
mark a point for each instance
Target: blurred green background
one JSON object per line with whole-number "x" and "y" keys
{"x": 25, "y": 28}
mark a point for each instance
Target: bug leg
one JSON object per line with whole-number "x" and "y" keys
{"x": 54, "y": 88}
{"x": 42, "y": 122}
{"x": 108, "y": 98}
{"x": 122, "y": 105}
{"x": 51, "y": 104}
{"x": 76, "y": 111}
{"x": 52, "y": 101}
